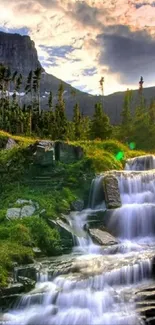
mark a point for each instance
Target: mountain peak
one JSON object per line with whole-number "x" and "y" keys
{"x": 18, "y": 52}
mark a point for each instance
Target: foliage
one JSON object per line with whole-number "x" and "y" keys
{"x": 100, "y": 125}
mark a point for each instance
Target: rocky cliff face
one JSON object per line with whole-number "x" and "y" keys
{"x": 18, "y": 52}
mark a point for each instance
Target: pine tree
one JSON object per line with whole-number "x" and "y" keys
{"x": 126, "y": 125}
{"x": 77, "y": 122}
{"x": 100, "y": 124}
{"x": 152, "y": 112}
{"x": 126, "y": 112}
{"x": 36, "y": 87}
{"x": 29, "y": 89}
{"x": 60, "y": 116}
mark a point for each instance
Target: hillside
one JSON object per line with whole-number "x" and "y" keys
{"x": 19, "y": 53}
{"x": 45, "y": 189}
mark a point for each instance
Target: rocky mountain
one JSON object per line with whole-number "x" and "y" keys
{"x": 19, "y": 53}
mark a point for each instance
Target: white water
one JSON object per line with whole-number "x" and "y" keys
{"x": 141, "y": 163}
{"x": 98, "y": 299}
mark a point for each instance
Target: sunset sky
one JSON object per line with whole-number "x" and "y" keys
{"x": 80, "y": 41}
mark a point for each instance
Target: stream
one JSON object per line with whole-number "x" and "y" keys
{"x": 99, "y": 289}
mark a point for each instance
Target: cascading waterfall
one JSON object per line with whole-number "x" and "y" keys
{"x": 141, "y": 163}
{"x": 95, "y": 297}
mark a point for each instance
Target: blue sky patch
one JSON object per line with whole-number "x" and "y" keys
{"x": 89, "y": 72}
{"x": 58, "y": 51}
{"x": 21, "y": 31}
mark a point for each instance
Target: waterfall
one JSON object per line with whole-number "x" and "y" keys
{"x": 96, "y": 196}
{"x": 135, "y": 219}
{"x": 141, "y": 163}
{"x": 94, "y": 291}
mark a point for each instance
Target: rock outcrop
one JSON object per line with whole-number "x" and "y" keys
{"x": 111, "y": 191}
{"x": 26, "y": 208}
{"x": 18, "y": 52}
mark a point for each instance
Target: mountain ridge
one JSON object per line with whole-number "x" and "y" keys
{"x": 19, "y": 53}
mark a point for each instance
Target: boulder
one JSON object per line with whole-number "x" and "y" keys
{"x": 102, "y": 237}
{"x": 10, "y": 144}
{"x": 112, "y": 193}
{"x": 27, "y": 211}
{"x": 44, "y": 154}
{"x": 77, "y": 205}
{"x": 23, "y": 202}
{"x": 13, "y": 213}
{"x": 67, "y": 153}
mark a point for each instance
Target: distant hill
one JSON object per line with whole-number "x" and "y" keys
{"x": 19, "y": 53}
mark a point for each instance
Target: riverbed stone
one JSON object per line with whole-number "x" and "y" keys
{"x": 112, "y": 193}
{"x": 102, "y": 237}
{"x": 77, "y": 205}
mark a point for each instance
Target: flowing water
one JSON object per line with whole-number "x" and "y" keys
{"x": 96, "y": 295}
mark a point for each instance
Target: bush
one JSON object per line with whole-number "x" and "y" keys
{"x": 46, "y": 238}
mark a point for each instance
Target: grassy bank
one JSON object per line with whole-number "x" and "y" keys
{"x": 53, "y": 190}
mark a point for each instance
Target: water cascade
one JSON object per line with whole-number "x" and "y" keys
{"x": 97, "y": 289}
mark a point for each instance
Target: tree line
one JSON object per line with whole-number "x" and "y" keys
{"x": 29, "y": 118}
{"x": 137, "y": 126}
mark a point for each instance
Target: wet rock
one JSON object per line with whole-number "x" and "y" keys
{"x": 77, "y": 205}
{"x": 102, "y": 237}
{"x": 27, "y": 211}
{"x": 111, "y": 190}
{"x": 28, "y": 284}
{"x": 26, "y": 271}
{"x": 66, "y": 233}
{"x": 7, "y": 302}
{"x": 13, "y": 213}
{"x": 12, "y": 289}
{"x": 37, "y": 251}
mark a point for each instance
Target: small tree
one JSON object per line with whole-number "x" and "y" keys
{"x": 100, "y": 124}
{"x": 126, "y": 125}
{"x": 152, "y": 112}
{"x": 77, "y": 122}
{"x": 60, "y": 116}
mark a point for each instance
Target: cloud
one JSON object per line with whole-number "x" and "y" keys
{"x": 80, "y": 40}
{"x": 141, "y": 4}
{"x": 130, "y": 54}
